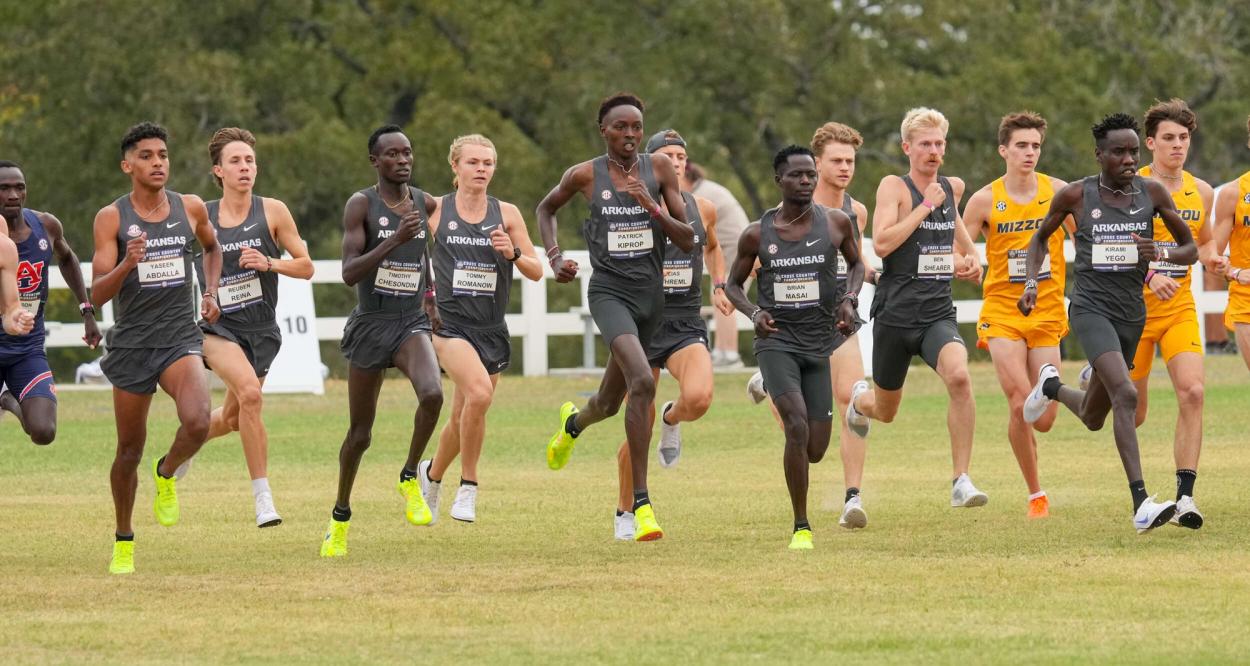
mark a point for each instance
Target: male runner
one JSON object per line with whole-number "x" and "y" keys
{"x": 680, "y": 344}
{"x": 1113, "y": 211}
{"x": 835, "y": 146}
{"x": 797, "y": 245}
{"x": 1008, "y": 211}
{"x": 143, "y": 248}
{"x": 16, "y": 319}
{"x": 23, "y": 362}
{"x": 626, "y": 234}
{"x": 385, "y": 247}
{"x": 1171, "y": 314}
{"x": 1232, "y": 233}
{"x": 731, "y": 220}
{"x": 916, "y": 232}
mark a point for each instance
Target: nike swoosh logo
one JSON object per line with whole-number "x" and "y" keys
{"x": 1042, "y": 201}
{"x": 1189, "y": 194}
{"x": 251, "y": 227}
{"x": 490, "y": 227}
{"x": 1134, "y": 212}
{"x": 171, "y": 225}
{"x": 811, "y": 243}
{"x": 945, "y": 211}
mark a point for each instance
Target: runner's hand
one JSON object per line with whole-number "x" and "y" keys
{"x": 870, "y": 274}
{"x": 968, "y": 269}
{"x": 252, "y": 259}
{"x": 1163, "y": 286}
{"x": 1220, "y": 265}
{"x": 846, "y": 317}
{"x": 764, "y": 324}
{"x": 1146, "y": 250}
{"x": 721, "y": 302}
{"x": 431, "y": 311}
{"x": 934, "y": 194}
{"x": 209, "y": 309}
{"x": 18, "y": 321}
{"x": 92, "y": 332}
{"x": 1028, "y": 301}
{"x": 565, "y": 271}
{"x": 410, "y": 225}
{"x": 638, "y": 190}
{"x": 502, "y": 242}
{"x": 136, "y": 248}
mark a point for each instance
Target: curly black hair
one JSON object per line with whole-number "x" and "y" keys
{"x": 379, "y": 133}
{"x": 783, "y": 155}
{"x": 619, "y": 99}
{"x": 144, "y": 130}
{"x": 1115, "y": 121}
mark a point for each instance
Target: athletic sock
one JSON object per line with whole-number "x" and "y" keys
{"x": 1138, "y": 488}
{"x": 570, "y": 426}
{"x": 466, "y": 482}
{"x": 1185, "y": 479}
{"x": 640, "y": 498}
{"x": 1040, "y": 493}
{"x": 1050, "y": 387}
{"x": 802, "y": 525}
{"x": 158, "y": 468}
{"x": 342, "y": 514}
{"x": 619, "y": 513}
{"x": 124, "y": 537}
{"x": 406, "y": 474}
{"x": 664, "y": 416}
{"x": 851, "y": 492}
{"x": 260, "y": 485}
{"x": 427, "y": 474}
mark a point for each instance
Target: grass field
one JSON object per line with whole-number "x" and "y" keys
{"x": 539, "y": 579}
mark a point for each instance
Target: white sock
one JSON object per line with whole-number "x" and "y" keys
{"x": 260, "y": 485}
{"x": 1040, "y": 493}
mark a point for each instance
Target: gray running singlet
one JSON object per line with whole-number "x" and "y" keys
{"x": 1108, "y": 273}
{"x": 848, "y": 207}
{"x": 626, "y": 245}
{"x": 914, "y": 286}
{"x": 797, "y": 286}
{"x": 683, "y": 271}
{"x": 155, "y": 306}
{"x": 472, "y": 281}
{"x": 247, "y": 297}
{"x": 398, "y": 283}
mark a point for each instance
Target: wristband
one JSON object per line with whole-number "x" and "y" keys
{"x": 209, "y": 294}
{"x": 656, "y": 212}
{"x": 718, "y": 285}
{"x": 757, "y": 311}
{"x": 268, "y": 265}
{"x": 930, "y": 206}
{"x": 429, "y": 292}
{"x": 1030, "y": 284}
{"x": 1149, "y": 276}
{"x": 86, "y": 308}
{"x": 853, "y": 298}
{"x": 1234, "y": 274}
{"x": 554, "y": 250}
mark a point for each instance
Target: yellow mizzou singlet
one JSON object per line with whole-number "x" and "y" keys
{"x": 1239, "y": 255}
{"x": 1189, "y": 206}
{"x": 1011, "y": 227}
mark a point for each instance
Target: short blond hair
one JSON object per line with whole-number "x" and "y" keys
{"x": 835, "y": 133}
{"x": 457, "y": 148}
{"x": 922, "y": 118}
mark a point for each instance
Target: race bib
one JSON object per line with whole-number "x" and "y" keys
{"x": 239, "y": 291}
{"x": 935, "y": 262}
{"x": 160, "y": 273}
{"x": 1168, "y": 268}
{"x": 473, "y": 279}
{"x": 1113, "y": 254}
{"x": 842, "y": 269}
{"x": 799, "y": 290}
{"x": 629, "y": 240}
{"x": 678, "y": 276}
{"x": 398, "y": 279}
{"x": 1017, "y": 261}
{"x": 31, "y": 302}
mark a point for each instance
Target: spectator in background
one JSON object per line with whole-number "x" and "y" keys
{"x": 730, "y": 221}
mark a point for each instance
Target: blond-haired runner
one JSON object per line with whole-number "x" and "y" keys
{"x": 680, "y": 344}
{"x": 916, "y": 232}
{"x": 253, "y": 232}
{"x": 1232, "y": 233}
{"x": 835, "y": 145}
{"x": 1171, "y": 314}
{"x": 477, "y": 241}
{"x": 1009, "y": 211}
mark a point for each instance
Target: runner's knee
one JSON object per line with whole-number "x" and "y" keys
{"x": 1191, "y": 396}
{"x": 42, "y": 433}
{"x": 697, "y": 400}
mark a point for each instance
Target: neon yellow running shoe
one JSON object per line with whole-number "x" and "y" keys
{"x": 645, "y": 527}
{"x": 123, "y": 561}
{"x": 335, "y": 542}
{"x": 415, "y": 510}
{"x": 561, "y": 445}
{"x": 166, "y": 503}
{"x": 802, "y": 540}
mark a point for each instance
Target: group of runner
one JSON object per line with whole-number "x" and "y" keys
{"x": 432, "y": 276}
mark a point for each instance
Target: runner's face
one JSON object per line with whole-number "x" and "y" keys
{"x": 1170, "y": 144}
{"x": 1022, "y": 151}
{"x": 393, "y": 157}
{"x": 475, "y": 168}
{"x": 1118, "y": 155}
{"x": 678, "y": 155}
{"x": 622, "y": 130}
{"x": 798, "y": 179}
{"x": 12, "y": 192}
{"x": 237, "y": 168}
{"x": 147, "y": 163}
{"x": 925, "y": 150}
{"x": 836, "y": 164}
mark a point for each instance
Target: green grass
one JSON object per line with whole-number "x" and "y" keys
{"x": 539, "y": 579}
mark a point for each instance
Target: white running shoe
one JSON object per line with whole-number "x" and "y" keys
{"x": 1035, "y": 405}
{"x": 853, "y": 514}
{"x": 429, "y": 489}
{"x": 1187, "y": 514}
{"x": 464, "y": 508}
{"x": 964, "y": 494}
{"x": 755, "y": 388}
{"x": 625, "y": 526}
{"x": 669, "y": 447}
{"x": 1152, "y": 514}
{"x": 1083, "y": 378}
{"x": 266, "y": 515}
{"x": 855, "y": 421}
{"x": 183, "y": 469}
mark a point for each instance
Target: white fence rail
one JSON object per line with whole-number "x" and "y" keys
{"x": 535, "y": 324}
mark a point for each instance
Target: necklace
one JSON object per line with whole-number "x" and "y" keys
{"x": 1112, "y": 189}
{"x": 622, "y": 166}
{"x": 164, "y": 200}
{"x": 397, "y": 204}
{"x": 796, "y": 217}
{"x": 1154, "y": 171}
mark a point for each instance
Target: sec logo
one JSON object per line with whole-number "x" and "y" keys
{"x": 1096, "y": 213}
{"x": 772, "y": 248}
{"x": 452, "y": 226}
{"x": 133, "y": 230}
{"x": 606, "y": 195}
{"x": 43, "y": 244}
{"x": 1001, "y": 206}
{"x": 383, "y": 221}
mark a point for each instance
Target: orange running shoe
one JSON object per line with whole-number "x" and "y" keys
{"x": 1039, "y": 507}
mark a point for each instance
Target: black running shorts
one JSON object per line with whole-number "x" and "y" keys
{"x": 893, "y": 348}
{"x": 492, "y": 343}
{"x": 260, "y": 346}
{"x": 1100, "y": 334}
{"x": 139, "y": 369}
{"x": 784, "y": 372}
{"x": 672, "y": 336}
{"x": 371, "y": 340}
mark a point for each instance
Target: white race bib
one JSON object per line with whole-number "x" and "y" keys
{"x": 797, "y": 293}
{"x": 630, "y": 243}
{"x": 842, "y": 269}
{"x": 1168, "y": 268}
{"x": 240, "y": 293}
{"x": 473, "y": 281}
{"x": 678, "y": 277}
{"x": 30, "y": 302}
{"x": 156, "y": 273}
{"x": 396, "y": 281}
{"x": 1017, "y": 261}
{"x": 935, "y": 262}
{"x": 1113, "y": 255}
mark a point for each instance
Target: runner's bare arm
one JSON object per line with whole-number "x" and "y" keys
{"x": 204, "y": 232}
{"x": 1186, "y": 251}
{"x": 893, "y": 220}
{"x": 673, "y": 220}
{"x": 529, "y": 264}
{"x": 1065, "y": 203}
{"x": 107, "y": 273}
{"x": 282, "y": 223}
{"x": 713, "y": 256}
{"x": 576, "y": 179}
{"x": 71, "y": 270}
{"x": 17, "y": 321}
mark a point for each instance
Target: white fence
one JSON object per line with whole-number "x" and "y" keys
{"x": 535, "y": 325}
